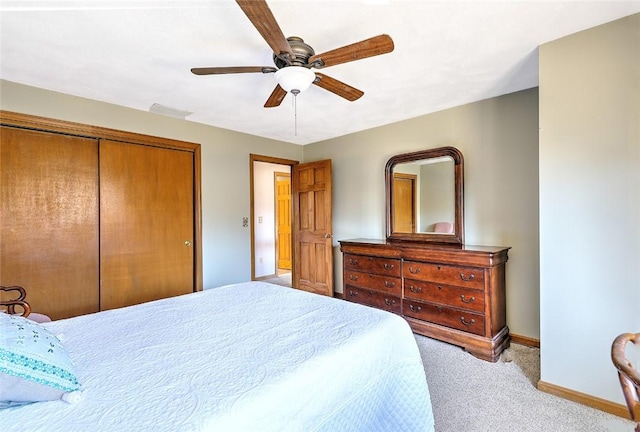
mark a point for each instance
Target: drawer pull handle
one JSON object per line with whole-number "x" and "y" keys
{"x": 389, "y": 302}
{"x": 467, "y": 300}
{"x": 414, "y": 270}
{"x": 353, "y": 293}
{"x": 467, "y": 279}
{"x": 388, "y": 266}
{"x": 389, "y": 284}
{"x": 415, "y": 289}
{"x": 467, "y": 323}
{"x": 415, "y": 308}
{"x": 353, "y": 261}
{"x": 353, "y": 277}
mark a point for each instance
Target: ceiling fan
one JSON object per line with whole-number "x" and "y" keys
{"x": 294, "y": 59}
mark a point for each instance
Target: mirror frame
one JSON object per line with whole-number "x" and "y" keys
{"x": 457, "y": 238}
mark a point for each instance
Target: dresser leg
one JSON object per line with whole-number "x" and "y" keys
{"x": 492, "y": 351}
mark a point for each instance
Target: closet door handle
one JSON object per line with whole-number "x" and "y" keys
{"x": 187, "y": 243}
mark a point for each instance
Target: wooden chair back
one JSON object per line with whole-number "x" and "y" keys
{"x": 629, "y": 376}
{"x": 16, "y": 300}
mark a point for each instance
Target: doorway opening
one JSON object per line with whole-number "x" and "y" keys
{"x": 272, "y": 258}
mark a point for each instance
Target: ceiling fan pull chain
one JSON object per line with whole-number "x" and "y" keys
{"x": 295, "y": 93}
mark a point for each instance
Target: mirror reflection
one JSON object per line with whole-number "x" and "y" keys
{"x": 424, "y": 196}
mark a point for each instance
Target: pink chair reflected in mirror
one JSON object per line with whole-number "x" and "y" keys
{"x": 443, "y": 227}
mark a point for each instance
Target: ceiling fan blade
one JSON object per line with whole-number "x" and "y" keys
{"x": 374, "y": 46}
{"x": 276, "y": 98}
{"x": 337, "y": 87}
{"x": 232, "y": 69}
{"x": 263, "y": 20}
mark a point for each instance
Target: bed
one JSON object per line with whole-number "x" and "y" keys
{"x": 245, "y": 357}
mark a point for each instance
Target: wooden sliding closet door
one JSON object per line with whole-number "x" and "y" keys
{"x": 49, "y": 220}
{"x": 146, "y": 223}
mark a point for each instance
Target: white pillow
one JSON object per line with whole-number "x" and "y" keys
{"x": 34, "y": 366}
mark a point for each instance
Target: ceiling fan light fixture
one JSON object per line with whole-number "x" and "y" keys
{"x": 295, "y": 79}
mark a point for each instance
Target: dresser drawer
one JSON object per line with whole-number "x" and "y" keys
{"x": 390, "y": 285}
{"x": 463, "y": 298}
{"x": 451, "y": 293}
{"x": 471, "y": 322}
{"x": 373, "y": 298}
{"x": 370, "y": 264}
{"x": 469, "y": 277}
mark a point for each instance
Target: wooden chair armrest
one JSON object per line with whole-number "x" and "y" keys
{"x": 19, "y": 301}
{"x": 618, "y": 356}
{"x": 628, "y": 375}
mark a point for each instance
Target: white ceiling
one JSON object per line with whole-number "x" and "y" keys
{"x": 139, "y": 53}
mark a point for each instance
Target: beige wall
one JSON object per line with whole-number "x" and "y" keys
{"x": 499, "y": 140}
{"x": 225, "y": 168}
{"x": 589, "y": 203}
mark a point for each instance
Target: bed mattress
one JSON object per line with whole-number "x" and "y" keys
{"x": 245, "y": 357}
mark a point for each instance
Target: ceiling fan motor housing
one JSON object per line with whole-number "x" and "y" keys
{"x": 301, "y": 51}
{"x": 294, "y": 59}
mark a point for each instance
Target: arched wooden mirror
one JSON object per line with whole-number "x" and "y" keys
{"x": 424, "y": 196}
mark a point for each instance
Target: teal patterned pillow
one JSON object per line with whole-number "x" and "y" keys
{"x": 34, "y": 366}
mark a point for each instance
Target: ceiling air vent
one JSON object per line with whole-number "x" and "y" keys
{"x": 168, "y": 111}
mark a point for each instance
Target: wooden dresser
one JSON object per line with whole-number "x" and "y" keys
{"x": 452, "y": 293}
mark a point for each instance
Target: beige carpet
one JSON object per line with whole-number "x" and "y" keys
{"x": 472, "y": 395}
{"x": 284, "y": 280}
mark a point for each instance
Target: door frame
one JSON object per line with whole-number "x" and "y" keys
{"x": 273, "y": 160}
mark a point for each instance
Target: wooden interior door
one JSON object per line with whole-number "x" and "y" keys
{"x": 49, "y": 220}
{"x": 283, "y": 220}
{"x": 404, "y": 203}
{"x": 146, "y": 223}
{"x": 313, "y": 246}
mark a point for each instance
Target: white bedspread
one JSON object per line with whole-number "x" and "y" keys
{"x": 246, "y": 357}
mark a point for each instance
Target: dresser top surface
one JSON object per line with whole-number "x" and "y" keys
{"x": 416, "y": 245}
